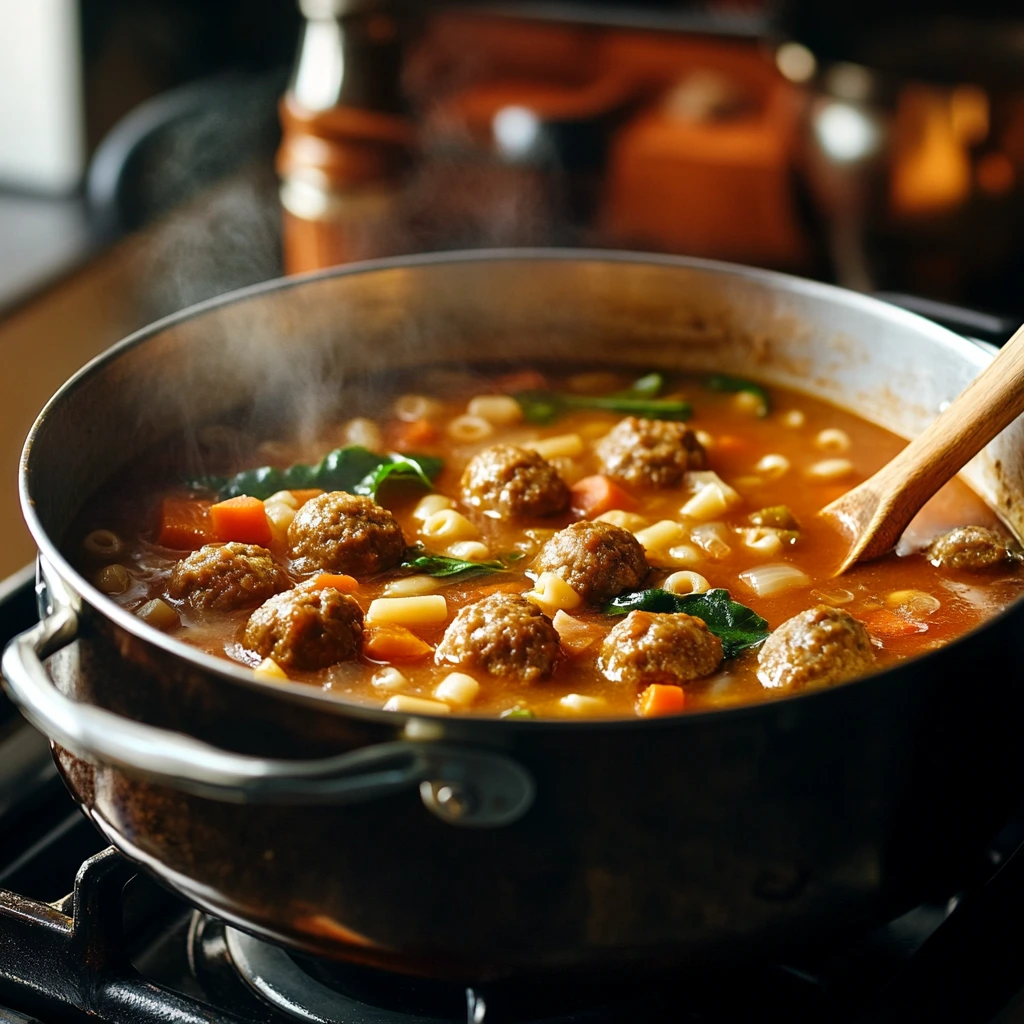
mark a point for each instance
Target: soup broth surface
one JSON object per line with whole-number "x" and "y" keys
{"x": 796, "y": 452}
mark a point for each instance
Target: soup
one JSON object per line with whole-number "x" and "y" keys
{"x": 550, "y": 545}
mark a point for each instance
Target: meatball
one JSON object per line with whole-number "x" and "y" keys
{"x": 650, "y": 453}
{"x": 659, "y": 647}
{"x": 503, "y": 635}
{"x": 515, "y": 482}
{"x": 306, "y": 629}
{"x": 819, "y": 646}
{"x": 222, "y": 577}
{"x": 973, "y": 547}
{"x": 598, "y": 560}
{"x": 346, "y": 533}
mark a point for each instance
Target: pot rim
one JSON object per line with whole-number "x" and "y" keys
{"x": 239, "y": 674}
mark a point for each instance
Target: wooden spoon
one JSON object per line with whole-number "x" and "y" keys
{"x": 876, "y": 512}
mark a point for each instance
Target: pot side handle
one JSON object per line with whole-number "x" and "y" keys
{"x": 461, "y": 785}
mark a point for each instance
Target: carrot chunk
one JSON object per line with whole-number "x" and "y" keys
{"x": 887, "y": 625}
{"x": 661, "y": 699}
{"x": 332, "y": 581}
{"x": 303, "y": 495}
{"x": 595, "y": 495}
{"x": 393, "y": 643}
{"x": 410, "y": 436}
{"x": 185, "y": 524}
{"x": 241, "y": 519}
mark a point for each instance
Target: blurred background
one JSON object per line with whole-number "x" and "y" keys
{"x": 154, "y": 153}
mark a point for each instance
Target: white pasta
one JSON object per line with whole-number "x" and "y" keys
{"x": 468, "y": 550}
{"x": 416, "y": 705}
{"x": 773, "y": 466}
{"x": 794, "y": 419}
{"x": 749, "y": 402}
{"x": 449, "y": 526}
{"x": 427, "y": 610}
{"x": 269, "y": 669}
{"x": 551, "y": 594}
{"x": 411, "y": 586}
{"x": 830, "y": 469}
{"x": 104, "y": 543}
{"x": 686, "y": 582}
{"x": 469, "y": 429}
{"x": 768, "y": 580}
{"x": 364, "y": 432}
{"x": 565, "y": 445}
{"x": 833, "y": 440}
{"x": 764, "y": 541}
{"x": 680, "y": 556}
{"x": 499, "y": 410}
{"x": 389, "y": 679}
{"x": 158, "y": 613}
{"x": 430, "y": 504}
{"x": 661, "y": 536}
{"x": 582, "y": 703}
{"x": 410, "y": 408}
{"x": 457, "y": 688}
{"x": 627, "y": 520}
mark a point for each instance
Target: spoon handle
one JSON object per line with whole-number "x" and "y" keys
{"x": 880, "y": 509}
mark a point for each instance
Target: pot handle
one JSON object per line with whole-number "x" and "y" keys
{"x": 461, "y": 785}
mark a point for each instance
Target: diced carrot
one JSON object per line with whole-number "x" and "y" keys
{"x": 888, "y": 625}
{"x": 730, "y": 443}
{"x": 242, "y": 519}
{"x": 520, "y": 380}
{"x": 185, "y": 524}
{"x": 413, "y": 435}
{"x": 661, "y": 699}
{"x": 595, "y": 495}
{"x": 393, "y": 643}
{"x": 303, "y": 495}
{"x": 332, "y": 581}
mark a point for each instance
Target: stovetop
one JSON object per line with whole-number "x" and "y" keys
{"x": 85, "y": 937}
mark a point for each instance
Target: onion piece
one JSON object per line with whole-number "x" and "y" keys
{"x": 769, "y": 580}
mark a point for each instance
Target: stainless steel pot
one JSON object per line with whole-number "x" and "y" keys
{"x": 478, "y": 847}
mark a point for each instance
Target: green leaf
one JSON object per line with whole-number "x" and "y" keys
{"x": 639, "y": 399}
{"x": 442, "y": 566}
{"x": 736, "y": 625}
{"x": 354, "y": 469}
{"x": 517, "y": 712}
{"x": 723, "y": 382}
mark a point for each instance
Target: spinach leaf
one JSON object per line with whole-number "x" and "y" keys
{"x": 517, "y": 712}
{"x": 637, "y": 400}
{"x": 353, "y": 469}
{"x": 443, "y": 566}
{"x": 737, "y": 626}
{"x": 723, "y": 382}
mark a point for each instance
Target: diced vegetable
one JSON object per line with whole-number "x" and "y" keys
{"x": 769, "y": 580}
{"x": 779, "y": 517}
{"x": 431, "y": 609}
{"x": 415, "y": 433}
{"x": 390, "y": 642}
{"x": 457, "y": 688}
{"x": 354, "y": 469}
{"x": 661, "y": 699}
{"x": 415, "y": 705}
{"x": 389, "y": 679}
{"x": 638, "y": 400}
{"x": 159, "y": 614}
{"x": 269, "y": 669}
{"x": 112, "y": 579}
{"x": 888, "y": 625}
{"x": 184, "y": 524}
{"x": 304, "y": 494}
{"x": 574, "y": 635}
{"x": 582, "y": 703}
{"x": 242, "y": 519}
{"x": 551, "y": 593}
{"x": 332, "y": 581}
{"x": 723, "y": 382}
{"x": 517, "y": 712}
{"x": 737, "y": 626}
{"x": 595, "y": 495}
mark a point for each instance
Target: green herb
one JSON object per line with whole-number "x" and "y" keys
{"x": 354, "y": 469}
{"x": 442, "y": 566}
{"x": 723, "y": 382}
{"x": 737, "y": 626}
{"x": 637, "y": 400}
{"x": 517, "y": 712}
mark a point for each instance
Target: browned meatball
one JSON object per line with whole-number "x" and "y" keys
{"x": 306, "y": 629}
{"x": 515, "y": 482}
{"x": 503, "y": 635}
{"x": 659, "y": 647}
{"x": 650, "y": 453}
{"x": 819, "y": 646}
{"x": 596, "y": 559}
{"x": 347, "y": 533}
{"x": 973, "y": 547}
{"x": 222, "y": 577}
